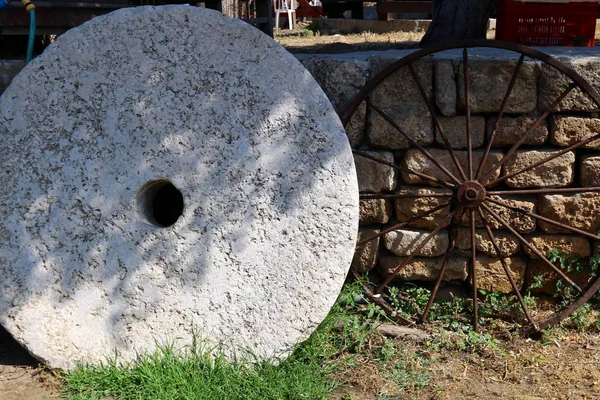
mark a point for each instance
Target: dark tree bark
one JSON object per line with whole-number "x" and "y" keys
{"x": 457, "y": 20}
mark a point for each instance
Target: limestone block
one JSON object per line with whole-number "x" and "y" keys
{"x": 511, "y": 129}
{"x": 580, "y": 210}
{"x": 8, "y": 70}
{"x": 374, "y": 176}
{"x": 424, "y": 269}
{"x": 558, "y": 172}
{"x": 455, "y": 130}
{"x": 537, "y": 269}
{"x": 445, "y": 87}
{"x": 365, "y": 256}
{"x": 355, "y": 128}
{"x": 492, "y": 277}
{"x": 489, "y": 84}
{"x": 516, "y": 220}
{"x": 416, "y": 161}
{"x": 407, "y": 208}
{"x": 404, "y": 242}
{"x": 375, "y": 211}
{"x": 507, "y": 243}
{"x": 571, "y": 245}
{"x": 589, "y": 171}
{"x": 161, "y": 184}
{"x": 552, "y": 83}
{"x": 399, "y": 98}
{"x": 566, "y": 131}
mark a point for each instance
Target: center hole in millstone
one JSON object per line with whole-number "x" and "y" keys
{"x": 160, "y": 203}
{"x": 471, "y": 194}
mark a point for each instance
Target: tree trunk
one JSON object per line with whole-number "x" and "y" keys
{"x": 457, "y": 20}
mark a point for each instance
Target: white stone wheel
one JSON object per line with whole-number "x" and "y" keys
{"x": 483, "y": 189}
{"x": 164, "y": 178}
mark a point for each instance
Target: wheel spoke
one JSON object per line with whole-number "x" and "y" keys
{"x": 545, "y": 191}
{"x": 408, "y": 259}
{"x": 429, "y": 102}
{"x": 467, "y": 78}
{"x": 402, "y": 224}
{"x": 513, "y": 79}
{"x": 544, "y": 219}
{"x": 403, "y": 169}
{"x": 473, "y": 272}
{"x": 522, "y": 139}
{"x": 504, "y": 266}
{"x": 438, "y": 281}
{"x": 413, "y": 142}
{"x": 368, "y": 196}
{"x": 530, "y": 247}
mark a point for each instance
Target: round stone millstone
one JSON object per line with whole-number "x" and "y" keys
{"x": 170, "y": 173}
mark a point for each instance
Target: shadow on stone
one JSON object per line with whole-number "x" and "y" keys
{"x": 11, "y": 353}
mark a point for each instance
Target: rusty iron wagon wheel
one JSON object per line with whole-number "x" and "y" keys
{"x": 477, "y": 181}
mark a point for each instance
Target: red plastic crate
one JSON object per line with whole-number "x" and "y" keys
{"x": 545, "y": 24}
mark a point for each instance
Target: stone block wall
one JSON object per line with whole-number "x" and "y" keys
{"x": 398, "y": 97}
{"x": 537, "y": 85}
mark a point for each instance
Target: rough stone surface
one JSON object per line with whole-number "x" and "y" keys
{"x": 127, "y": 99}
{"x": 355, "y": 128}
{"x": 518, "y": 221}
{"x": 424, "y": 269}
{"x": 511, "y": 129}
{"x": 507, "y": 242}
{"x": 375, "y": 211}
{"x": 365, "y": 256}
{"x": 489, "y": 84}
{"x": 492, "y": 277}
{"x": 455, "y": 131}
{"x": 537, "y": 269}
{"x": 553, "y": 82}
{"x": 580, "y": 210}
{"x": 445, "y": 87}
{"x": 418, "y": 162}
{"x": 374, "y": 176}
{"x": 404, "y": 242}
{"x": 399, "y": 98}
{"x": 566, "y": 131}
{"x": 407, "y": 208}
{"x": 570, "y": 245}
{"x": 8, "y": 70}
{"x": 557, "y": 172}
{"x": 589, "y": 171}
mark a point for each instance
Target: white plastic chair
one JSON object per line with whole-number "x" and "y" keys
{"x": 285, "y": 6}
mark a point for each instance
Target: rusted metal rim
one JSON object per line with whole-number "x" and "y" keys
{"x": 469, "y": 193}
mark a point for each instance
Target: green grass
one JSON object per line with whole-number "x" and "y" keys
{"x": 196, "y": 374}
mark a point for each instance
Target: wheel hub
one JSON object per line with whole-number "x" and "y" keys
{"x": 470, "y": 194}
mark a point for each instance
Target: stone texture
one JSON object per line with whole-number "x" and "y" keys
{"x": 518, "y": 221}
{"x": 537, "y": 268}
{"x": 399, "y": 98}
{"x": 373, "y": 176}
{"x": 404, "y": 242}
{"x": 553, "y": 82}
{"x": 507, "y": 243}
{"x": 589, "y": 167}
{"x": 566, "y": 131}
{"x": 418, "y": 162}
{"x": 375, "y": 211}
{"x": 455, "y": 131}
{"x": 126, "y": 102}
{"x": 511, "y": 129}
{"x": 489, "y": 84}
{"x": 355, "y": 128}
{"x": 558, "y": 172}
{"x": 492, "y": 277}
{"x": 424, "y": 269}
{"x": 571, "y": 245}
{"x": 580, "y": 210}
{"x": 407, "y": 208}
{"x": 365, "y": 256}
{"x": 445, "y": 87}
{"x": 8, "y": 70}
